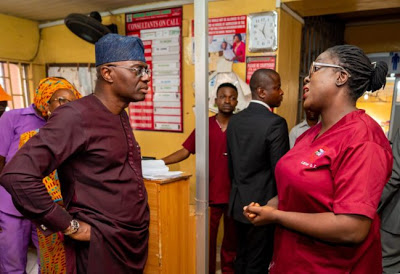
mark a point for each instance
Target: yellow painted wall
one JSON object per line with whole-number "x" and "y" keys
{"x": 20, "y": 38}
{"x": 60, "y": 45}
{"x": 382, "y": 37}
{"x": 288, "y": 65}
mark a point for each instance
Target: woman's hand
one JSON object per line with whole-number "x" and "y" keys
{"x": 273, "y": 202}
{"x": 247, "y": 213}
{"x": 325, "y": 226}
{"x": 259, "y": 215}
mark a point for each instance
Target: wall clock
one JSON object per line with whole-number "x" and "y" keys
{"x": 263, "y": 31}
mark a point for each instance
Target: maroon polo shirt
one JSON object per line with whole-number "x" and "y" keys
{"x": 219, "y": 181}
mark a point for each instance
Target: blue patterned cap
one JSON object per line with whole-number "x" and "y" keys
{"x": 113, "y": 47}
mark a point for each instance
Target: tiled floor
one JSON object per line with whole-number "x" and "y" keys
{"x": 32, "y": 266}
{"x": 218, "y": 265}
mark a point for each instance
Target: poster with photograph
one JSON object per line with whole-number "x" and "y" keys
{"x": 160, "y": 31}
{"x": 227, "y": 37}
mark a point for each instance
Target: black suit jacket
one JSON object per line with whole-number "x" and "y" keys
{"x": 257, "y": 139}
{"x": 389, "y": 207}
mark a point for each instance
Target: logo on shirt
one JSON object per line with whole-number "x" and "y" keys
{"x": 318, "y": 153}
{"x": 314, "y": 157}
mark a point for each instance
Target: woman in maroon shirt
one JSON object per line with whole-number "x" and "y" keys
{"x": 330, "y": 183}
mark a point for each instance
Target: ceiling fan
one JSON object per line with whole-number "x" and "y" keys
{"x": 89, "y": 28}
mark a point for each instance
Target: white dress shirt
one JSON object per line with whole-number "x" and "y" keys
{"x": 296, "y": 131}
{"x": 261, "y": 103}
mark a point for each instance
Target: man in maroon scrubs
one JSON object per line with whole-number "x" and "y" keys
{"x": 219, "y": 181}
{"x": 91, "y": 144}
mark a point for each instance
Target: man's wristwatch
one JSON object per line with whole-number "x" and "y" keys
{"x": 73, "y": 228}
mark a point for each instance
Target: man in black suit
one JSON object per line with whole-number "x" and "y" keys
{"x": 389, "y": 209}
{"x": 257, "y": 138}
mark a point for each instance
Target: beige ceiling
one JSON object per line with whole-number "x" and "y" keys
{"x": 49, "y": 10}
{"x": 325, "y": 7}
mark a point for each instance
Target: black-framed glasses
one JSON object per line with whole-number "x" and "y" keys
{"x": 61, "y": 100}
{"x": 316, "y": 66}
{"x": 139, "y": 71}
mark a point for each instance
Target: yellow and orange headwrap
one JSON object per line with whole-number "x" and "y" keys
{"x": 46, "y": 89}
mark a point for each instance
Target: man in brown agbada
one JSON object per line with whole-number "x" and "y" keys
{"x": 91, "y": 144}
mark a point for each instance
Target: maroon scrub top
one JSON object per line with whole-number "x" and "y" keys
{"x": 220, "y": 183}
{"x": 342, "y": 171}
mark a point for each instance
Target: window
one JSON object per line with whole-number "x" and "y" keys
{"x": 81, "y": 75}
{"x": 16, "y": 79}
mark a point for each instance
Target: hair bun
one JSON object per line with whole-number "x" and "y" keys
{"x": 378, "y": 76}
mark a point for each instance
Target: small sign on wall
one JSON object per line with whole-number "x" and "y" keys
{"x": 258, "y": 62}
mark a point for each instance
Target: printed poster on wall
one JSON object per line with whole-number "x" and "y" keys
{"x": 227, "y": 36}
{"x": 259, "y": 62}
{"x": 161, "y": 34}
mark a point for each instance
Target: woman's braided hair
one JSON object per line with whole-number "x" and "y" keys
{"x": 364, "y": 75}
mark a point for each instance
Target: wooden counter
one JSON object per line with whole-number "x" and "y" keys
{"x": 169, "y": 225}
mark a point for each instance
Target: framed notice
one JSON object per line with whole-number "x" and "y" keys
{"x": 258, "y": 62}
{"x": 160, "y": 31}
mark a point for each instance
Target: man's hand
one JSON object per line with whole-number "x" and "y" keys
{"x": 83, "y": 233}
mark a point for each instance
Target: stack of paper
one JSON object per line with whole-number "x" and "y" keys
{"x": 156, "y": 169}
